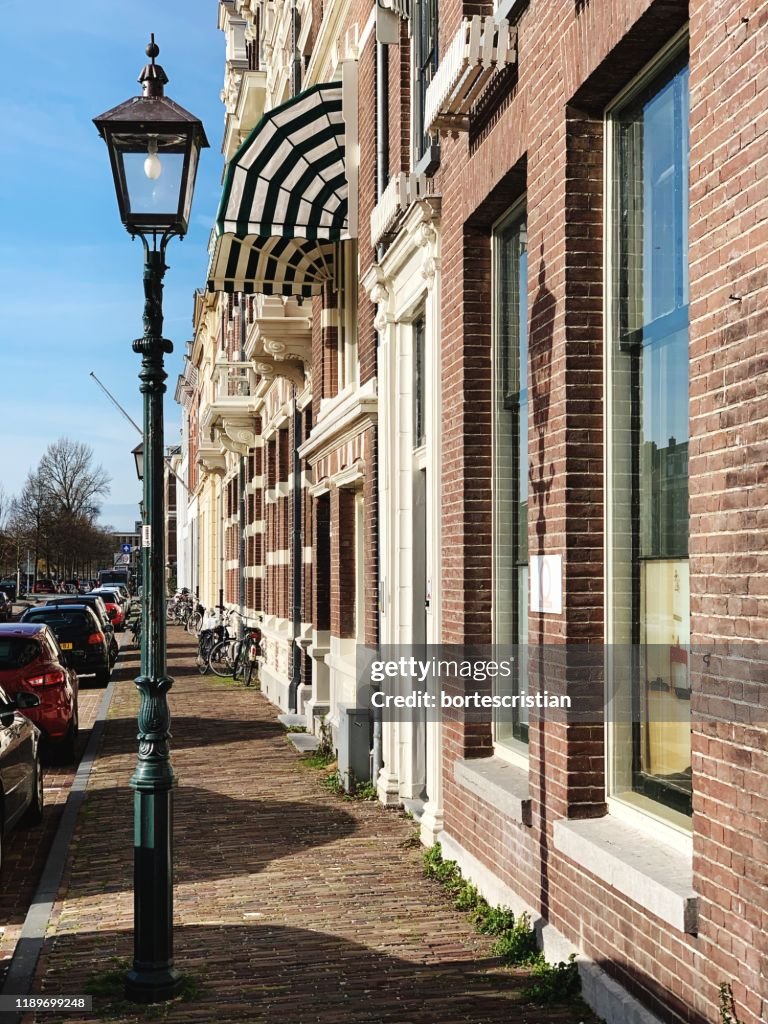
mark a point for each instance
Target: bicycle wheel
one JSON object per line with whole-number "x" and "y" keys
{"x": 222, "y": 657}
{"x": 249, "y": 670}
{"x": 241, "y": 660}
{"x": 203, "y": 654}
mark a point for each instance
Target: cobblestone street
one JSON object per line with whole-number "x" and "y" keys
{"x": 293, "y": 905}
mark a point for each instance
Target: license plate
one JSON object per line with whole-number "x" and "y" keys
{"x": 67, "y": 647}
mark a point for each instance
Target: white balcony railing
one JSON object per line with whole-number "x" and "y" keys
{"x": 479, "y": 49}
{"x": 232, "y": 381}
{"x": 402, "y": 190}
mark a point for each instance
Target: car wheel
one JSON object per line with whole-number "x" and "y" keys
{"x": 65, "y": 751}
{"x": 34, "y": 813}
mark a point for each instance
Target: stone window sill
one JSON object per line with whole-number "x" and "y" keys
{"x": 651, "y": 874}
{"x": 497, "y": 782}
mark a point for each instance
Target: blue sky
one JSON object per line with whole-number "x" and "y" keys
{"x": 72, "y": 277}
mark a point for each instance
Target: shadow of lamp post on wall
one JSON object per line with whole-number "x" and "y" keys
{"x": 154, "y": 146}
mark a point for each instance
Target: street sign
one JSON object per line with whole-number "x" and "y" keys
{"x": 122, "y": 559}
{"x": 126, "y": 549}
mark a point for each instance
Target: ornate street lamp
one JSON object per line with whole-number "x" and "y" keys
{"x": 154, "y": 146}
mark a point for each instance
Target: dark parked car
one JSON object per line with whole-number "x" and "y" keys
{"x": 8, "y": 586}
{"x": 32, "y": 662}
{"x": 6, "y": 607}
{"x": 21, "y": 774}
{"x": 81, "y": 638}
{"x": 96, "y": 603}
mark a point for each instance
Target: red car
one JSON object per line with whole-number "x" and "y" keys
{"x": 31, "y": 661}
{"x": 45, "y": 587}
{"x": 115, "y": 613}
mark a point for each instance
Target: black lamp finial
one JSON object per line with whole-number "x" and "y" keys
{"x": 152, "y": 77}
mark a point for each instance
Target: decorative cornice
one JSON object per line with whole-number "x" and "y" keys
{"x": 212, "y": 461}
{"x": 346, "y": 418}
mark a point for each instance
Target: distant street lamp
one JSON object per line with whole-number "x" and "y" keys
{"x": 154, "y": 146}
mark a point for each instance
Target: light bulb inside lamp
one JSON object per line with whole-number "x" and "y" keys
{"x": 152, "y": 166}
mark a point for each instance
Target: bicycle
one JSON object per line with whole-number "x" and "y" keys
{"x": 194, "y": 621}
{"x": 237, "y": 658}
{"x": 223, "y": 658}
{"x": 248, "y": 660}
{"x": 208, "y": 640}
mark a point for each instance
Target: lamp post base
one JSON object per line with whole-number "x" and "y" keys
{"x": 152, "y": 986}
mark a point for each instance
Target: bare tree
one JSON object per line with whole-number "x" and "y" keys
{"x": 30, "y": 514}
{"x": 74, "y": 483}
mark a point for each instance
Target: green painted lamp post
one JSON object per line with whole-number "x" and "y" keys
{"x": 154, "y": 145}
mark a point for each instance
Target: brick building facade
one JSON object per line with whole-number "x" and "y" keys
{"x": 524, "y": 409}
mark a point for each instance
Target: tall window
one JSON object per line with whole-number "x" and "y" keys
{"x": 425, "y": 58}
{"x": 510, "y": 283}
{"x": 650, "y": 605}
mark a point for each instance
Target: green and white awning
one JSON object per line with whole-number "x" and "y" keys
{"x": 270, "y": 266}
{"x": 285, "y": 200}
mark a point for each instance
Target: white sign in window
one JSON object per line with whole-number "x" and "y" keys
{"x": 546, "y": 572}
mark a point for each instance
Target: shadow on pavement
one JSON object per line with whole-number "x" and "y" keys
{"x": 267, "y": 972}
{"x": 192, "y": 731}
{"x": 213, "y": 836}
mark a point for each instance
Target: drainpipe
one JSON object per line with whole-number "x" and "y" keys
{"x": 382, "y": 127}
{"x": 296, "y": 60}
{"x": 382, "y": 176}
{"x": 296, "y": 558}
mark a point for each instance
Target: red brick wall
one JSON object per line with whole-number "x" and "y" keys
{"x": 549, "y": 132}
{"x": 729, "y": 486}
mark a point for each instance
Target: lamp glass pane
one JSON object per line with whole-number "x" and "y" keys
{"x": 156, "y": 196}
{"x": 194, "y": 152}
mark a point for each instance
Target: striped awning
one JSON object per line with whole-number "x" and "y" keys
{"x": 270, "y": 266}
{"x": 285, "y": 200}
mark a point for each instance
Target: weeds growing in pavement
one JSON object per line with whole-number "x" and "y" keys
{"x": 728, "y": 1013}
{"x": 110, "y": 985}
{"x": 325, "y": 747}
{"x": 364, "y": 791}
{"x": 318, "y": 759}
{"x": 333, "y": 783}
{"x": 553, "y": 983}
{"x": 515, "y": 939}
{"x": 295, "y": 728}
{"x": 411, "y": 842}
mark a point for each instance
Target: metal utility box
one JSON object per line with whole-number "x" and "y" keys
{"x": 353, "y": 742}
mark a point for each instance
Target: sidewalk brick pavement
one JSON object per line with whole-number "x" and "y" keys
{"x": 292, "y": 906}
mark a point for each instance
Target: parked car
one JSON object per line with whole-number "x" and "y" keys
{"x": 117, "y": 595}
{"x": 6, "y": 607}
{"x": 31, "y": 661}
{"x": 103, "y": 614}
{"x": 8, "y": 586}
{"x": 21, "y": 774}
{"x": 44, "y": 587}
{"x": 80, "y": 636}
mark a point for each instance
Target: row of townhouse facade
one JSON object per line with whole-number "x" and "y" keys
{"x": 478, "y": 362}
